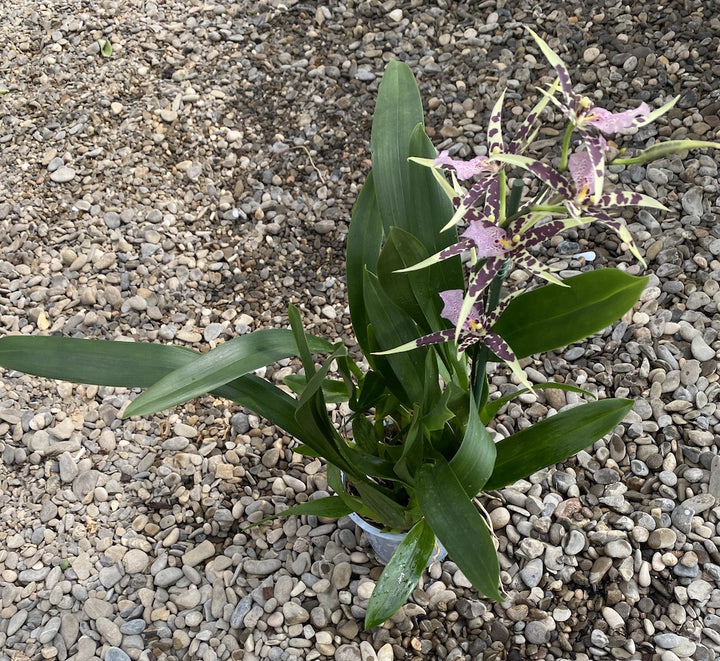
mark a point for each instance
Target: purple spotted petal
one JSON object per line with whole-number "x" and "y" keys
{"x": 467, "y": 341}
{"x": 436, "y": 338}
{"x": 498, "y": 346}
{"x": 463, "y": 169}
{"x": 549, "y": 176}
{"x": 494, "y": 133}
{"x": 609, "y": 122}
{"x": 481, "y": 279}
{"x": 486, "y": 237}
{"x": 476, "y": 191}
{"x": 541, "y": 233}
{"x": 455, "y": 249}
{"x": 492, "y": 199}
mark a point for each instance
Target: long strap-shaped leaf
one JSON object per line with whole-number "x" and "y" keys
{"x": 136, "y": 365}
{"x": 554, "y": 439}
{"x": 223, "y": 364}
{"x": 459, "y": 526}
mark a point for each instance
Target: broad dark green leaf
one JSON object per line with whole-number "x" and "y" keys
{"x": 429, "y": 210}
{"x": 459, "y": 526}
{"x": 364, "y": 435}
{"x": 221, "y": 365}
{"x": 335, "y": 391}
{"x": 552, "y": 316}
{"x": 473, "y": 463}
{"x": 412, "y": 292}
{"x": 364, "y": 239}
{"x": 554, "y": 439}
{"x": 392, "y": 327}
{"x": 398, "y": 111}
{"x": 332, "y": 507}
{"x": 386, "y": 511}
{"x": 411, "y": 457}
{"x": 401, "y": 574}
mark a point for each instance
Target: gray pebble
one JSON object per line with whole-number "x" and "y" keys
{"x": 532, "y": 572}
{"x": 116, "y": 654}
{"x": 63, "y": 174}
{"x": 167, "y": 576}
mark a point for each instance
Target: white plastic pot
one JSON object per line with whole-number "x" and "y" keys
{"x": 384, "y": 543}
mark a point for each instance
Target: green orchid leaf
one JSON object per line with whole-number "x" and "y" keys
{"x": 412, "y": 292}
{"x": 101, "y": 362}
{"x": 490, "y": 410}
{"x": 391, "y": 328}
{"x": 411, "y": 457}
{"x": 398, "y": 110}
{"x": 221, "y": 365}
{"x": 459, "y": 526}
{"x": 473, "y": 463}
{"x": 401, "y": 574}
{"x": 364, "y": 435}
{"x": 554, "y": 439}
{"x": 335, "y": 391}
{"x": 552, "y": 316}
{"x": 332, "y": 507}
{"x": 429, "y": 210}
{"x": 303, "y": 348}
{"x": 364, "y": 239}
{"x": 386, "y": 511}
{"x": 663, "y": 149}
{"x": 137, "y": 365}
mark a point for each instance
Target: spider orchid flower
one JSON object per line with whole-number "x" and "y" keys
{"x": 582, "y": 195}
{"x": 592, "y": 121}
{"x": 581, "y": 111}
{"x": 484, "y": 168}
{"x": 477, "y": 327}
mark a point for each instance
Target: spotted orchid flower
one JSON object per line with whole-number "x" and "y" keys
{"x": 582, "y": 196}
{"x": 477, "y": 327}
{"x": 483, "y": 168}
{"x": 581, "y": 111}
{"x": 592, "y": 121}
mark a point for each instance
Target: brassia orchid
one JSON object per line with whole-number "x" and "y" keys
{"x": 413, "y": 451}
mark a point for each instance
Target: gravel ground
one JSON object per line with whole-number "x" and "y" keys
{"x": 187, "y": 188}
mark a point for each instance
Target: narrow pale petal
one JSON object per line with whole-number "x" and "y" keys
{"x": 618, "y": 226}
{"x": 629, "y": 199}
{"x": 527, "y": 130}
{"x": 446, "y": 253}
{"x": 432, "y": 338}
{"x": 536, "y": 267}
{"x": 563, "y": 74}
{"x": 494, "y": 133}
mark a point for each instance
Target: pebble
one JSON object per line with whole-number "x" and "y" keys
{"x": 63, "y": 174}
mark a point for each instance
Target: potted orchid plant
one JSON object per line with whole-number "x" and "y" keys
{"x": 431, "y": 310}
